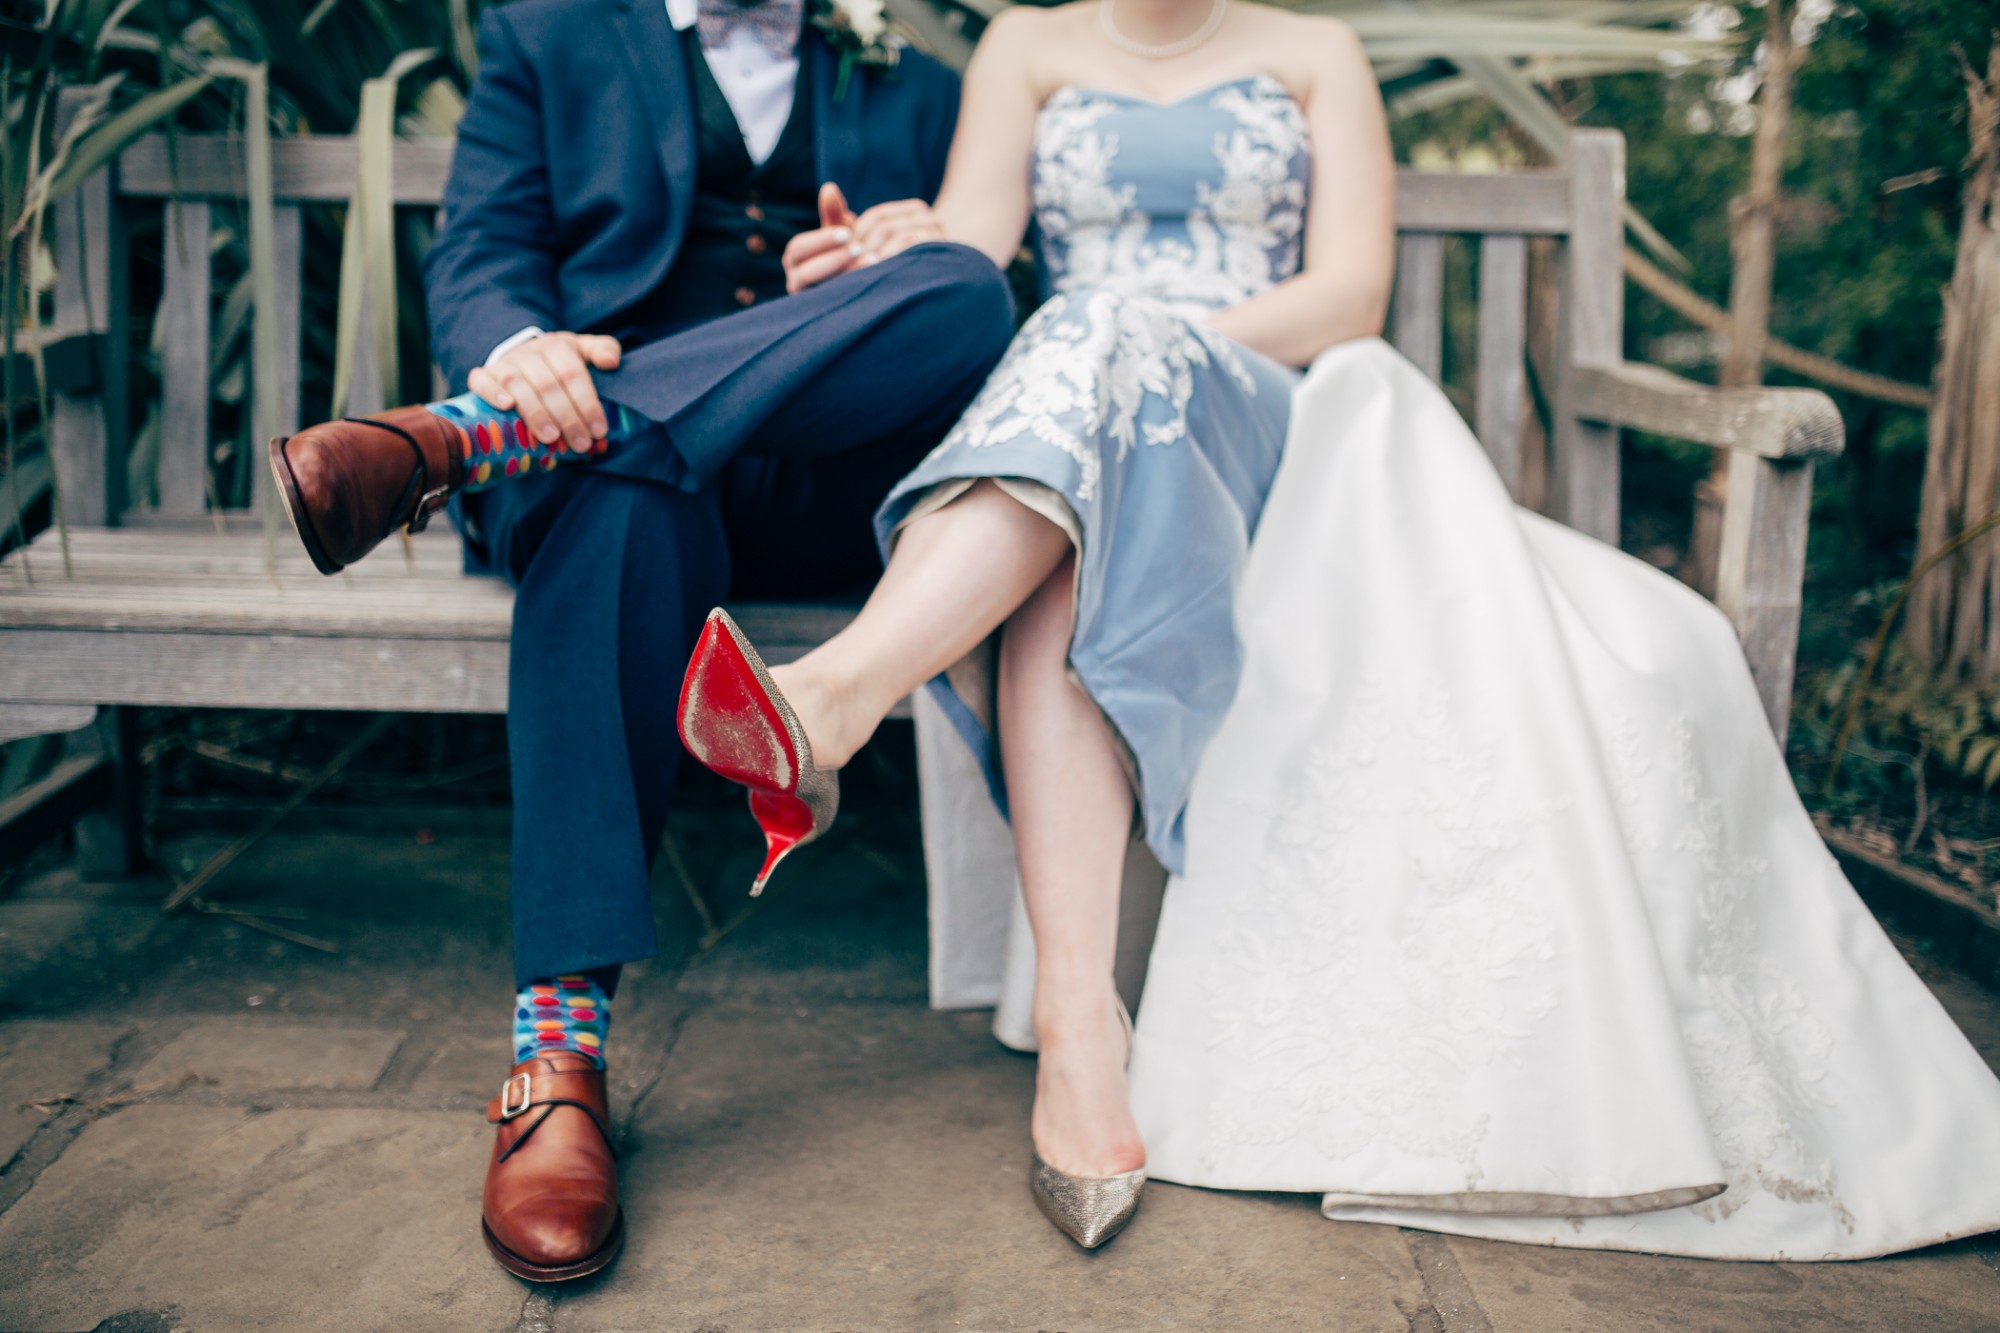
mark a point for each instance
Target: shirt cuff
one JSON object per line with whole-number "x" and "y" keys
{"x": 509, "y": 344}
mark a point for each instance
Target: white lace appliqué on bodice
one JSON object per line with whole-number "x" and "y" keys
{"x": 1143, "y": 234}
{"x": 1121, "y": 204}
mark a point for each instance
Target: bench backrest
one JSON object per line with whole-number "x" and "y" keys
{"x": 1578, "y": 205}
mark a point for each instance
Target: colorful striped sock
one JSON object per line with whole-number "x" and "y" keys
{"x": 496, "y": 445}
{"x": 567, "y": 1013}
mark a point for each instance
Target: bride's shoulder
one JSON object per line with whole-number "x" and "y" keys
{"x": 1029, "y": 23}
{"x": 1322, "y": 33}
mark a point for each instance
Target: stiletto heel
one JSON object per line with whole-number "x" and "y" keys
{"x": 736, "y": 722}
{"x": 1089, "y": 1209}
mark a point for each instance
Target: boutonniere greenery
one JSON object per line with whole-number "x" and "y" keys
{"x": 858, "y": 31}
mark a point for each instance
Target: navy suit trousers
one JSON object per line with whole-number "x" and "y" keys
{"x": 784, "y": 426}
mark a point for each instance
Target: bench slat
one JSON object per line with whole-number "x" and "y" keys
{"x": 184, "y": 353}
{"x": 288, "y": 245}
{"x": 1503, "y": 334}
{"x": 320, "y": 169}
{"x": 1420, "y": 301}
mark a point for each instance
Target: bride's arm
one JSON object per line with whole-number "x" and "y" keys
{"x": 1342, "y": 291}
{"x": 984, "y": 199}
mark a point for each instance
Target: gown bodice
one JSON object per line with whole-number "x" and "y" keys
{"x": 1198, "y": 202}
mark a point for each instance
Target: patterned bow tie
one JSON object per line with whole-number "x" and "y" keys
{"x": 775, "y": 24}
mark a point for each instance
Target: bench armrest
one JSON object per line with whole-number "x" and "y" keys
{"x": 1770, "y": 423}
{"x": 1774, "y": 436}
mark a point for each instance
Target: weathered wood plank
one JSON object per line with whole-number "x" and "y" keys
{"x": 18, "y": 720}
{"x": 184, "y": 353}
{"x": 315, "y": 169}
{"x": 84, "y": 426}
{"x": 1419, "y": 327}
{"x": 288, "y": 251}
{"x": 254, "y": 670}
{"x": 1503, "y": 353}
{"x": 321, "y": 169}
{"x": 1774, "y": 423}
{"x": 1760, "y": 574}
{"x": 1583, "y": 485}
{"x": 1521, "y": 202}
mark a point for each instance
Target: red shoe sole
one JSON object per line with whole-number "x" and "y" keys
{"x": 733, "y": 720}
{"x": 728, "y": 721}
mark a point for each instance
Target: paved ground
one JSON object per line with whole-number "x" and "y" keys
{"x": 262, "y": 1136}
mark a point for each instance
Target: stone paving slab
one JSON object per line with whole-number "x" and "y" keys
{"x": 864, "y": 1167}
{"x": 293, "y": 1220}
{"x": 244, "y": 1055}
{"x": 46, "y": 1060}
{"x": 1528, "y": 1289}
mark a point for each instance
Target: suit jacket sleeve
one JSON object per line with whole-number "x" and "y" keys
{"x": 492, "y": 270}
{"x": 942, "y": 127}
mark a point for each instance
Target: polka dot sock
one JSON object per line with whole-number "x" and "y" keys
{"x": 496, "y": 445}
{"x": 568, "y": 1013}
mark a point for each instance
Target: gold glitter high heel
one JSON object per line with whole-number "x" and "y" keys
{"x": 1089, "y": 1209}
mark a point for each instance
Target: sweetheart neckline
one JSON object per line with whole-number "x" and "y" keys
{"x": 1172, "y": 102}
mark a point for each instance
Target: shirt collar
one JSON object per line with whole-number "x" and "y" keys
{"x": 683, "y": 13}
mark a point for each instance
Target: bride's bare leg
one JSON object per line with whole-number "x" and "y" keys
{"x": 1071, "y": 807}
{"x": 954, "y": 577}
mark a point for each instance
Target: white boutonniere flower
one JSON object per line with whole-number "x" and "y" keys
{"x": 859, "y": 32}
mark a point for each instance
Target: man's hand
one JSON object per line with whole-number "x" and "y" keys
{"x": 547, "y": 380}
{"x": 827, "y": 251}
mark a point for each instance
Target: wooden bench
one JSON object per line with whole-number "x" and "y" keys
{"x": 179, "y": 606}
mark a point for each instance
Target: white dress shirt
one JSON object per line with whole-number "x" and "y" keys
{"x": 758, "y": 87}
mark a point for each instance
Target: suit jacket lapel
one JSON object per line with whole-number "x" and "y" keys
{"x": 841, "y": 151}
{"x": 658, "y": 63}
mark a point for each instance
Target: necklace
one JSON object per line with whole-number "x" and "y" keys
{"x": 1164, "y": 50}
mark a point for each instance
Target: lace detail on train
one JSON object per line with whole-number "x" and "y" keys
{"x": 1361, "y": 1044}
{"x": 1758, "y": 1052}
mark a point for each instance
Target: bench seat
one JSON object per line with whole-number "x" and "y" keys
{"x": 191, "y": 617}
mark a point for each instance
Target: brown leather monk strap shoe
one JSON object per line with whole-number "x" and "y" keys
{"x": 551, "y": 1208}
{"x": 348, "y": 484}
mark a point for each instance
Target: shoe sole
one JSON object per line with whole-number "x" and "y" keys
{"x": 584, "y": 1267}
{"x": 294, "y": 505}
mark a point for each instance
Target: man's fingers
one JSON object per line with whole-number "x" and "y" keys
{"x": 818, "y": 269}
{"x": 833, "y": 209}
{"x": 574, "y": 383}
{"x": 545, "y": 372}
{"x": 488, "y": 386}
{"x": 808, "y": 244}
{"x": 600, "y": 350}
{"x": 534, "y": 415}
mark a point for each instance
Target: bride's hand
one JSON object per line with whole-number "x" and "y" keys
{"x": 889, "y": 229}
{"x": 827, "y": 251}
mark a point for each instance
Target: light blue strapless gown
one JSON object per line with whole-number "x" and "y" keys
{"x": 1151, "y": 437}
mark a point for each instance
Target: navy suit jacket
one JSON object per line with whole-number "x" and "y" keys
{"x": 575, "y": 168}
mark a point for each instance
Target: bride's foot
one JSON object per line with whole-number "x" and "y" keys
{"x": 1082, "y": 1122}
{"x": 836, "y": 724}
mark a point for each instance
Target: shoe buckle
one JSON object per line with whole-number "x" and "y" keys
{"x": 427, "y": 504}
{"x": 509, "y": 1108}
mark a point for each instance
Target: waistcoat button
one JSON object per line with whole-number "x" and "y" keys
{"x": 755, "y": 245}
{"x": 744, "y": 296}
